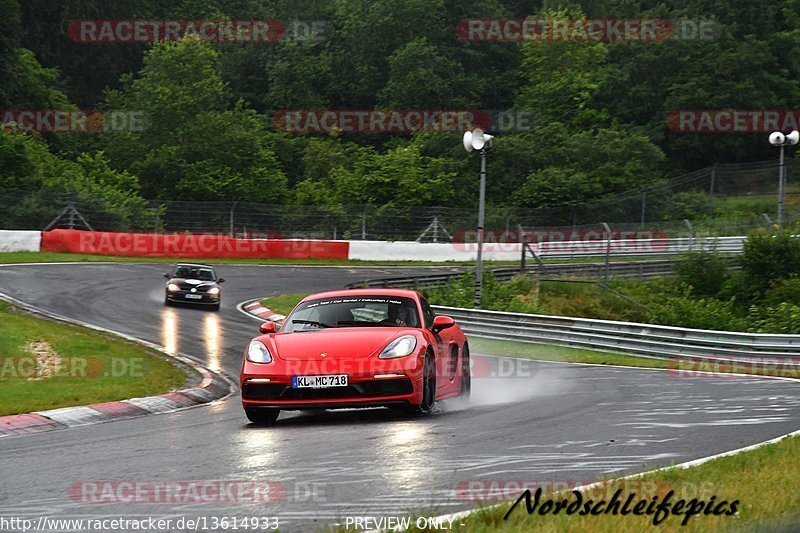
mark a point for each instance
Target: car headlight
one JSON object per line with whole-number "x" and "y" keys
{"x": 400, "y": 347}
{"x": 172, "y": 287}
{"x": 213, "y": 291}
{"x": 257, "y": 352}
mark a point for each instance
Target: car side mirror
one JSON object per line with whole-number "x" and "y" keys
{"x": 442, "y": 322}
{"x": 221, "y": 280}
{"x": 167, "y": 276}
{"x": 267, "y": 327}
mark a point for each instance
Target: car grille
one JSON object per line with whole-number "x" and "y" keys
{"x": 188, "y": 287}
{"x": 365, "y": 389}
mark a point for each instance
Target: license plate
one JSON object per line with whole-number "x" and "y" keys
{"x": 319, "y": 382}
{"x": 194, "y": 296}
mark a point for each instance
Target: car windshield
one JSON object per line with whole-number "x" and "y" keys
{"x": 356, "y": 311}
{"x": 195, "y": 272}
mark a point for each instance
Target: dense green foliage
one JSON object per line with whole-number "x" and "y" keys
{"x": 764, "y": 296}
{"x": 600, "y": 109}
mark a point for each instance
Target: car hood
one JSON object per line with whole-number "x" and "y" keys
{"x": 188, "y": 283}
{"x": 338, "y": 343}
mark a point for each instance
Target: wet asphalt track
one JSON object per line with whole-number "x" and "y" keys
{"x": 532, "y": 421}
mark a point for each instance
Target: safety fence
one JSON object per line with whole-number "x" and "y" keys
{"x": 719, "y": 200}
{"x": 635, "y": 269}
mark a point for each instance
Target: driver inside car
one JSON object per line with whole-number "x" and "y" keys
{"x": 397, "y": 315}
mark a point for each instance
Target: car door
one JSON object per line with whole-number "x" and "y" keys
{"x": 446, "y": 356}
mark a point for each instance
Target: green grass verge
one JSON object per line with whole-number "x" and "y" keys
{"x": 92, "y": 366}
{"x": 282, "y": 303}
{"x": 546, "y": 352}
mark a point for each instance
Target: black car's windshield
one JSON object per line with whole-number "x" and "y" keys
{"x": 195, "y": 272}
{"x": 356, "y": 311}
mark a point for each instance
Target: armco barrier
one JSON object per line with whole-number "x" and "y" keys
{"x": 206, "y": 246}
{"x": 622, "y": 337}
{"x": 20, "y": 241}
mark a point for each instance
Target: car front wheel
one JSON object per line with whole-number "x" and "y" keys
{"x": 428, "y": 385}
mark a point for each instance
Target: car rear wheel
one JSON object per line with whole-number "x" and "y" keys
{"x": 466, "y": 375}
{"x": 262, "y": 416}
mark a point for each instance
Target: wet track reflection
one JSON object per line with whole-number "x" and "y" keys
{"x": 533, "y": 421}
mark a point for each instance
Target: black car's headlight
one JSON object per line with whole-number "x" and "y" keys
{"x": 257, "y": 352}
{"x": 173, "y": 287}
{"x": 400, "y": 347}
{"x": 213, "y": 291}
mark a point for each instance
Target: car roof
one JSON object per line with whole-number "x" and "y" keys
{"x": 192, "y": 265}
{"x": 398, "y": 293}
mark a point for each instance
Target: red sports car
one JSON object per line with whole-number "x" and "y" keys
{"x": 355, "y": 348}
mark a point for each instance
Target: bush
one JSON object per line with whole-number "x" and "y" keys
{"x": 768, "y": 258}
{"x": 687, "y": 311}
{"x": 704, "y": 273}
{"x": 781, "y": 318}
{"x": 693, "y": 205}
{"x": 783, "y": 290}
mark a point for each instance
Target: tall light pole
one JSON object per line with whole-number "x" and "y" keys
{"x": 477, "y": 140}
{"x": 779, "y": 139}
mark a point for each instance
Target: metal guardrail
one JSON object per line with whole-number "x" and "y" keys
{"x": 634, "y": 247}
{"x": 627, "y": 269}
{"x": 622, "y": 337}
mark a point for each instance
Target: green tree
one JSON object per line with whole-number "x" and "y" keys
{"x": 197, "y": 144}
{"x": 420, "y": 77}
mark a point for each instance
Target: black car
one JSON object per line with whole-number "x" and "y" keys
{"x": 193, "y": 284}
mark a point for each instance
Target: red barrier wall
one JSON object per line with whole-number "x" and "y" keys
{"x": 201, "y": 246}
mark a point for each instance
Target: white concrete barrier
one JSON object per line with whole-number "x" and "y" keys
{"x": 428, "y": 251}
{"x": 20, "y": 241}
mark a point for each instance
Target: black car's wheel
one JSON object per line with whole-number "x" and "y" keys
{"x": 166, "y": 301}
{"x": 262, "y": 416}
{"x": 215, "y": 307}
{"x": 466, "y": 375}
